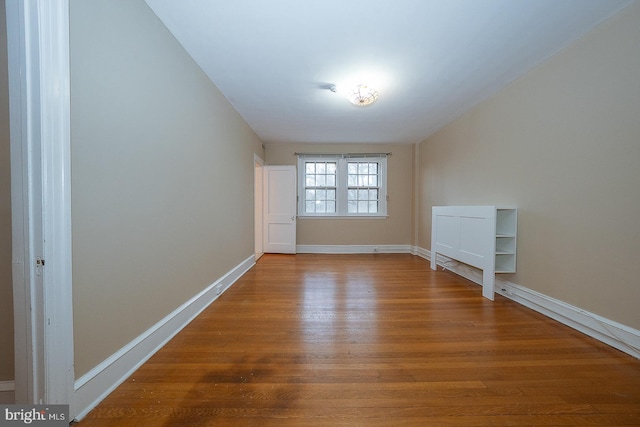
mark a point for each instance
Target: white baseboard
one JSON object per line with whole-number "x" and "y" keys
{"x": 616, "y": 335}
{"x": 95, "y": 385}
{"x": 619, "y": 336}
{"x": 421, "y": 252}
{"x": 7, "y": 392}
{"x": 353, "y": 249}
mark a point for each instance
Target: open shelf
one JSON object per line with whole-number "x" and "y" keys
{"x": 506, "y": 232}
{"x": 505, "y": 263}
{"x": 505, "y": 245}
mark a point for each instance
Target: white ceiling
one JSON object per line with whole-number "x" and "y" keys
{"x": 431, "y": 60}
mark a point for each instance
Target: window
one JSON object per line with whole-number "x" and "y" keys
{"x": 320, "y": 187}
{"x": 342, "y": 185}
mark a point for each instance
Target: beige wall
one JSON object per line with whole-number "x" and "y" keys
{"x": 162, "y": 177}
{"x": 394, "y": 230}
{"x": 6, "y": 293}
{"x": 563, "y": 145}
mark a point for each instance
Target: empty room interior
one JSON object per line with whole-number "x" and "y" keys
{"x": 338, "y": 212}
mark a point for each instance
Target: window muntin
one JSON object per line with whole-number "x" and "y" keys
{"x": 342, "y": 186}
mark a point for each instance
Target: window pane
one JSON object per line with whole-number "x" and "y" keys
{"x": 310, "y": 181}
{"x": 363, "y": 206}
{"x": 373, "y": 194}
{"x": 352, "y": 207}
{"x": 310, "y": 167}
{"x": 331, "y": 194}
{"x": 321, "y": 194}
{"x": 363, "y": 194}
{"x": 310, "y": 194}
{"x": 320, "y": 206}
{"x": 331, "y": 168}
{"x": 373, "y": 207}
{"x": 352, "y": 194}
{"x": 331, "y": 207}
{"x": 321, "y": 168}
{"x": 363, "y": 174}
{"x": 331, "y": 180}
{"x": 310, "y": 207}
{"x": 321, "y": 180}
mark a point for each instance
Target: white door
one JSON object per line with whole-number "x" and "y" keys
{"x": 279, "y": 209}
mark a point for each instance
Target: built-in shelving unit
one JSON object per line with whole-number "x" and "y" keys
{"x": 481, "y": 236}
{"x": 506, "y": 239}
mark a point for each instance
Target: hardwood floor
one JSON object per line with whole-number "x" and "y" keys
{"x": 373, "y": 340}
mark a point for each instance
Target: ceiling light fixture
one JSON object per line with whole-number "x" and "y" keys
{"x": 361, "y": 95}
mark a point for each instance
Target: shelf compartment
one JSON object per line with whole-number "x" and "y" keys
{"x": 506, "y": 222}
{"x": 505, "y": 263}
{"x": 505, "y": 245}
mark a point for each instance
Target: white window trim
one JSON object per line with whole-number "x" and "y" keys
{"x": 341, "y": 187}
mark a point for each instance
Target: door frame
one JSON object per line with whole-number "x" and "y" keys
{"x": 39, "y": 88}
{"x": 258, "y": 165}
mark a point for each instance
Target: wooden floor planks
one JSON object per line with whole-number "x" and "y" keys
{"x": 373, "y": 340}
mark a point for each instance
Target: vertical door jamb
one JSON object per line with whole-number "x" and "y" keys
{"x": 39, "y": 79}
{"x": 26, "y": 198}
{"x": 258, "y": 205}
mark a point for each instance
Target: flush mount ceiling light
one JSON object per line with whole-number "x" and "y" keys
{"x": 361, "y": 95}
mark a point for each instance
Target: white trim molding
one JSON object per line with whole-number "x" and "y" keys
{"x": 96, "y": 384}
{"x": 55, "y": 125}
{"x": 621, "y": 337}
{"x": 22, "y": 54}
{"x": 38, "y": 58}
{"x": 421, "y": 252}
{"x": 7, "y": 392}
{"x": 616, "y": 335}
{"x": 353, "y": 249}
